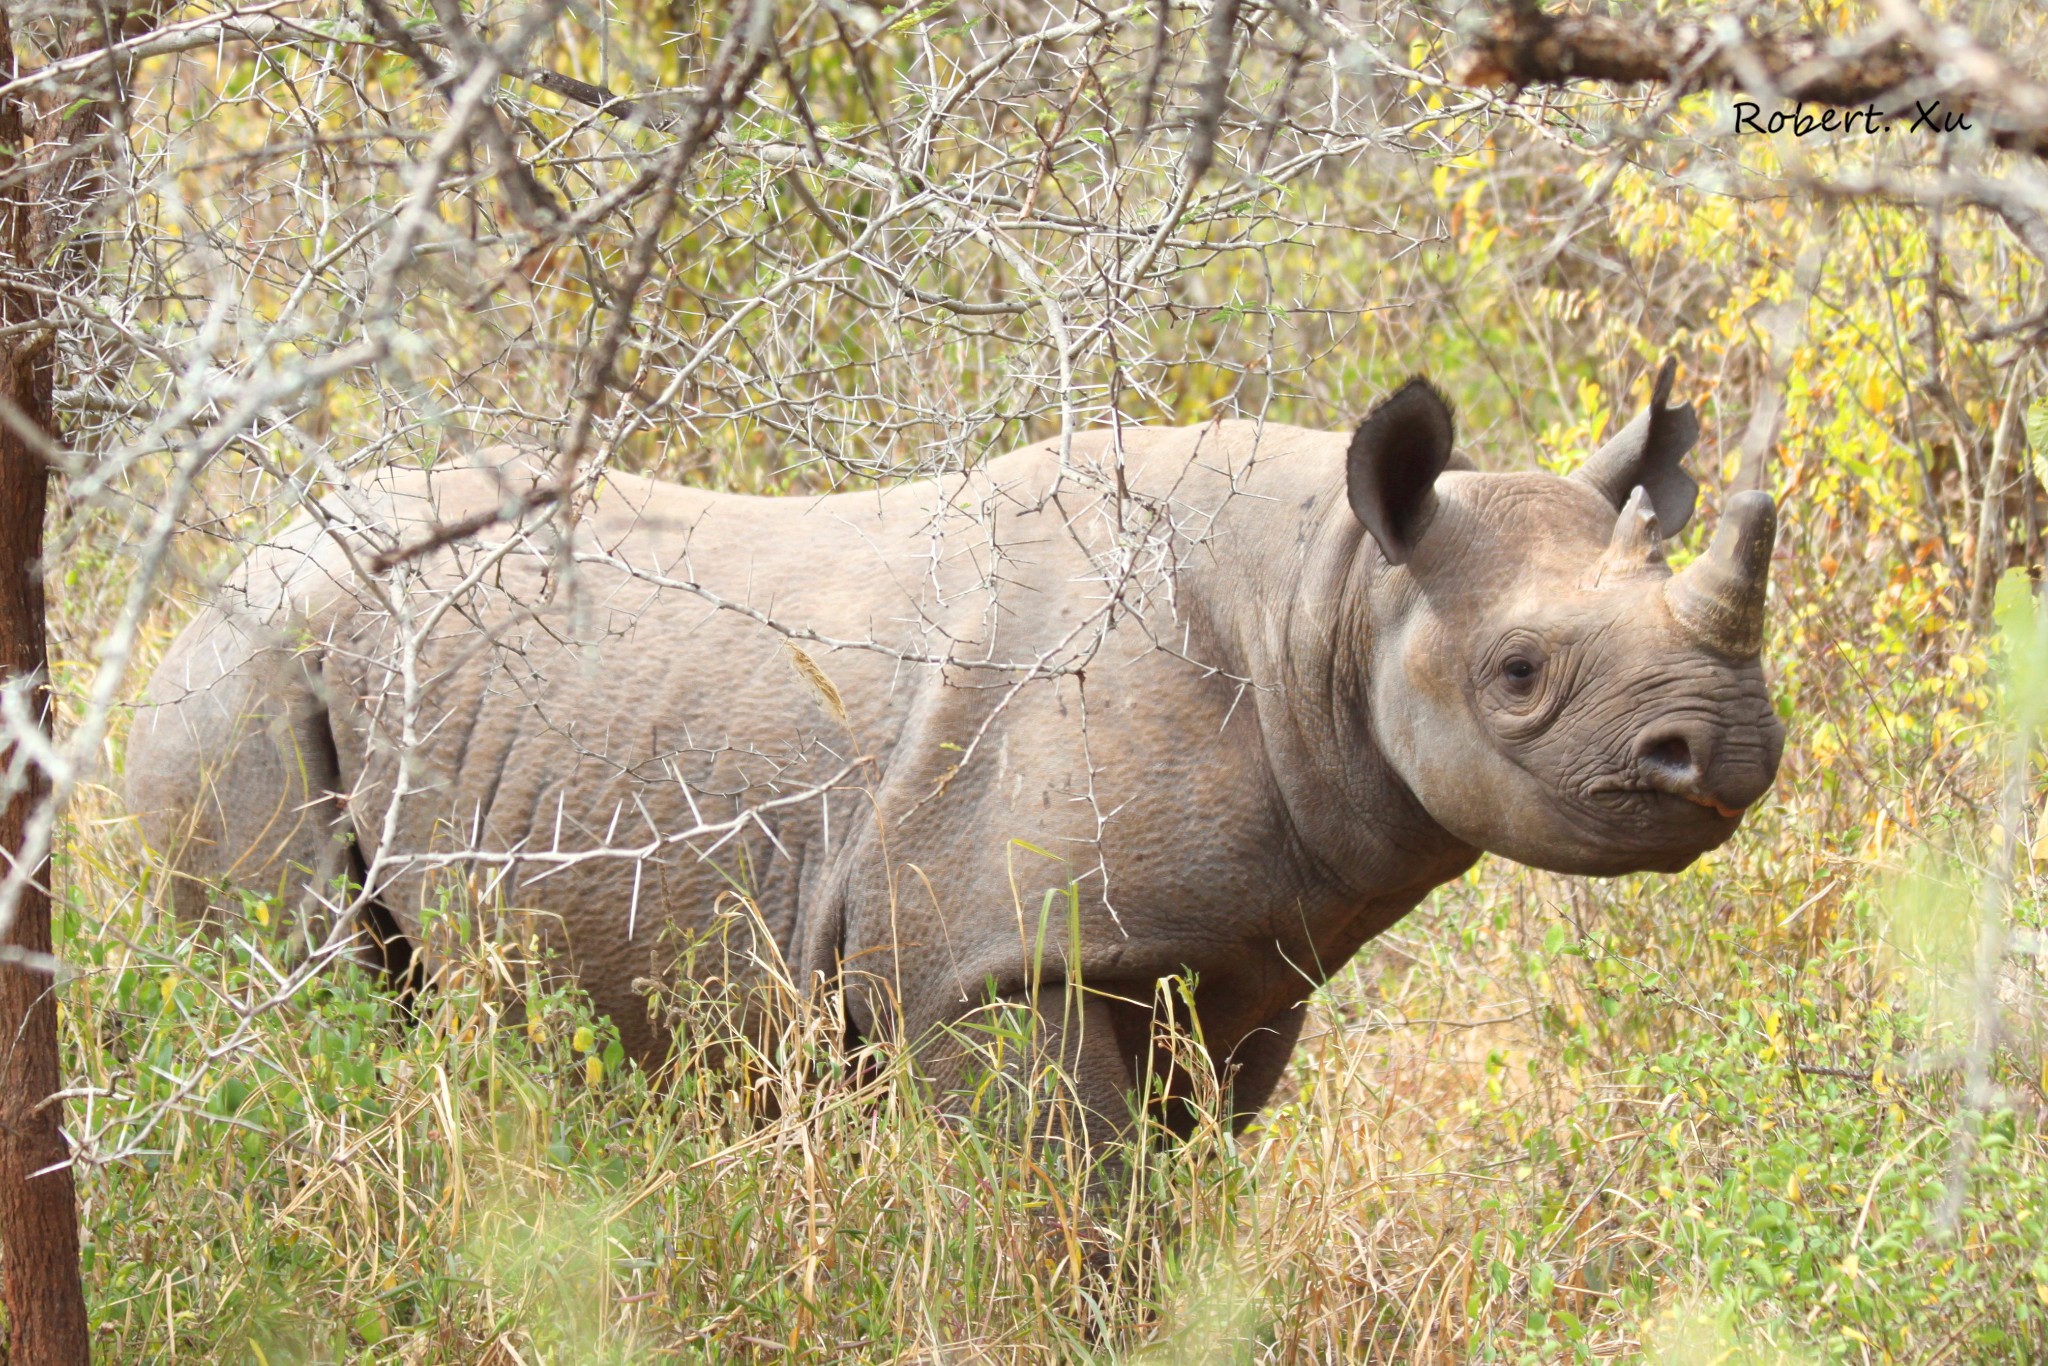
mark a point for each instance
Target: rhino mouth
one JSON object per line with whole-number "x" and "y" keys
{"x": 1726, "y": 813}
{"x": 1731, "y": 813}
{"x": 1643, "y": 792}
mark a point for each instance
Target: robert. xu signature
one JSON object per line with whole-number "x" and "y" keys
{"x": 1927, "y": 116}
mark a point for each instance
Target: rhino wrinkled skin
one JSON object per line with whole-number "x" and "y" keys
{"x": 1353, "y": 665}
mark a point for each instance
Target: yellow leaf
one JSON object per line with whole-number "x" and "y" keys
{"x": 583, "y": 1040}
{"x": 593, "y": 1069}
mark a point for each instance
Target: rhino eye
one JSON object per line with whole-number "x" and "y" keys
{"x": 1519, "y": 669}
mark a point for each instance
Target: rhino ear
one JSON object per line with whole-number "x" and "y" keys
{"x": 1646, "y": 454}
{"x": 1396, "y": 455}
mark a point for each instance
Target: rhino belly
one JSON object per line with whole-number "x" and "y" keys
{"x": 558, "y": 788}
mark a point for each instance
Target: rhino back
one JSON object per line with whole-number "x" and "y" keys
{"x": 569, "y": 735}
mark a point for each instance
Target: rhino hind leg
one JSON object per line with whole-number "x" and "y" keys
{"x": 233, "y": 775}
{"x": 386, "y": 949}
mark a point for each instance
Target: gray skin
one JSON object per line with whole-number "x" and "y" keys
{"x": 1367, "y": 667}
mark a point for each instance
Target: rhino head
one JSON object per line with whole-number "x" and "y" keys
{"x": 1540, "y": 679}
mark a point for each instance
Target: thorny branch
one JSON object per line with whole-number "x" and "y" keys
{"x": 1902, "y": 57}
{"x": 808, "y": 252}
{"x": 666, "y": 271}
{"x": 1905, "y": 71}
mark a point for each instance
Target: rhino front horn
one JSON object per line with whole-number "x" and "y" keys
{"x": 1719, "y": 598}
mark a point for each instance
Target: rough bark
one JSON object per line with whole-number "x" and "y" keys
{"x": 39, "y": 1275}
{"x": 51, "y": 178}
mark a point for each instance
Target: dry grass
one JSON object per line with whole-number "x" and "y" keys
{"x": 1701, "y": 1118}
{"x": 1542, "y": 1120}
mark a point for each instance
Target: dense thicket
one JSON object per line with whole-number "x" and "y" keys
{"x": 1793, "y": 1097}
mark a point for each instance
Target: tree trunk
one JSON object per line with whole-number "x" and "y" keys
{"x": 39, "y": 1278}
{"x": 38, "y": 1208}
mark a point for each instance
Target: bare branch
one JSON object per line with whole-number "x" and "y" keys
{"x": 1526, "y": 45}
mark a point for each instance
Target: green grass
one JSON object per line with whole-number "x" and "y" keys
{"x": 1543, "y": 1120}
{"x": 1708, "y": 1118}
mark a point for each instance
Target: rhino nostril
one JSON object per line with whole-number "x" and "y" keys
{"x": 1673, "y": 753}
{"x": 1672, "y": 761}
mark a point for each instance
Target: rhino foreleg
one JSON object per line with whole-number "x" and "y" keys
{"x": 1253, "y": 1070}
{"x": 1055, "y": 1059}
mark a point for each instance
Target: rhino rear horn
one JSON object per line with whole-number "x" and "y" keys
{"x": 1646, "y": 454}
{"x": 1396, "y": 455}
{"x": 1719, "y": 598}
{"x": 1633, "y": 548}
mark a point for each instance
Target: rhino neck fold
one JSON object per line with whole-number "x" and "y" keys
{"x": 1304, "y": 635}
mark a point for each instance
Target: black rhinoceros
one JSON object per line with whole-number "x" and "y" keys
{"x": 1249, "y": 692}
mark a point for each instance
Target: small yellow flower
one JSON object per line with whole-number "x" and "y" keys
{"x": 583, "y": 1040}
{"x": 593, "y": 1069}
